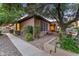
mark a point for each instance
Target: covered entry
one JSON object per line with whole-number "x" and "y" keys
{"x": 52, "y": 27}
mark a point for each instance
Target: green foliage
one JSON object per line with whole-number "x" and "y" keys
{"x": 10, "y": 12}
{"x": 29, "y": 33}
{"x": 59, "y": 30}
{"x": 28, "y": 29}
{"x": 28, "y": 37}
{"x": 69, "y": 43}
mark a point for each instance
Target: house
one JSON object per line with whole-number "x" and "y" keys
{"x": 36, "y": 20}
{"x": 75, "y": 24}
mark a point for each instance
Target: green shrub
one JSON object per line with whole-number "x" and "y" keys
{"x": 28, "y": 37}
{"x": 68, "y": 43}
{"x": 59, "y": 30}
{"x": 29, "y": 33}
{"x": 28, "y": 29}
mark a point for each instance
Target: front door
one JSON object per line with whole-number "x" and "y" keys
{"x": 52, "y": 27}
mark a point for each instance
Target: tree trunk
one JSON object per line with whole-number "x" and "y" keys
{"x": 63, "y": 31}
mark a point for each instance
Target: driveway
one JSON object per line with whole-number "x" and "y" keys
{"x": 25, "y": 48}
{"x": 7, "y": 48}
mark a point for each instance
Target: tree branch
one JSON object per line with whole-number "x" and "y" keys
{"x": 53, "y": 16}
{"x": 60, "y": 13}
{"x": 75, "y": 19}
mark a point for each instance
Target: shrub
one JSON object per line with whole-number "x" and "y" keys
{"x": 28, "y": 37}
{"x": 28, "y": 29}
{"x": 68, "y": 43}
{"x": 29, "y": 33}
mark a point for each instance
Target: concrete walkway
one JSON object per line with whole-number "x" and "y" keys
{"x": 25, "y": 48}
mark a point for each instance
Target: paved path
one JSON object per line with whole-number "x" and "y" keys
{"x": 25, "y": 48}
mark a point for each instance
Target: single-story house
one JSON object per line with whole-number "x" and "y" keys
{"x": 33, "y": 20}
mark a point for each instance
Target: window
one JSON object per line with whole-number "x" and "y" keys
{"x": 44, "y": 26}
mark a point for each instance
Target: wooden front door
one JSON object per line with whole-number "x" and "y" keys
{"x": 52, "y": 27}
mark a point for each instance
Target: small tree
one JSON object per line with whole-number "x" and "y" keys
{"x": 28, "y": 29}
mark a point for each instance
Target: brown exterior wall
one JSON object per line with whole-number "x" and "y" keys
{"x": 28, "y": 22}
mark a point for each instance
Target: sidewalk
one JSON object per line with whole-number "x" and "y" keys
{"x": 25, "y": 48}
